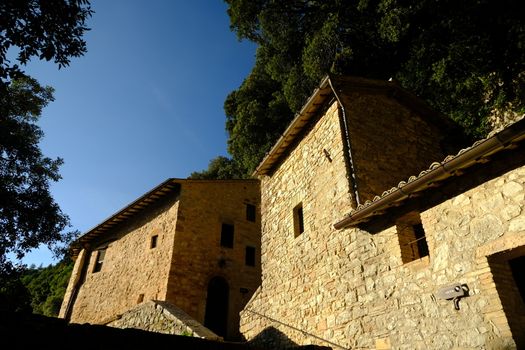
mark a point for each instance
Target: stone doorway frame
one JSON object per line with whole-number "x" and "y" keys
{"x": 496, "y": 282}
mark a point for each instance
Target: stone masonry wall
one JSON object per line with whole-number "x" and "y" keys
{"x": 301, "y": 275}
{"x": 132, "y": 272}
{"x": 351, "y": 289}
{"x": 389, "y": 142}
{"x": 187, "y": 256}
{"x": 74, "y": 280}
{"x": 161, "y": 317}
{"x": 198, "y": 255}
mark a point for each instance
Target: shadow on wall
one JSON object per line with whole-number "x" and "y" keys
{"x": 272, "y": 338}
{"x": 479, "y": 174}
{"x": 507, "y": 272}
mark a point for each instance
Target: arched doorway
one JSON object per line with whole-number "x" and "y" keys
{"x": 216, "y": 316}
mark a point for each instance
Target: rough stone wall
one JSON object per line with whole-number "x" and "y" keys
{"x": 351, "y": 289}
{"x": 73, "y": 284}
{"x": 389, "y": 142}
{"x": 132, "y": 272}
{"x": 302, "y": 280}
{"x": 161, "y": 317}
{"x": 198, "y": 255}
{"x": 187, "y": 256}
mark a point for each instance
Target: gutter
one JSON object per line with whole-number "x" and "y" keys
{"x": 351, "y": 167}
{"x": 446, "y": 169}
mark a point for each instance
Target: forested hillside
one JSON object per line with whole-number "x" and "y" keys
{"x": 39, "y": 290}
{"x": 46, "y": 286}
{"x": 465, "y": 58}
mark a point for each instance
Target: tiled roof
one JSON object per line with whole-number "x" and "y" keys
{"x": 452, "y": 165}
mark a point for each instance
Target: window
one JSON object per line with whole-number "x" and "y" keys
{"x": 412, "y": 239}
{"x": 249, "y": 258}
{"x": 250, "y": 212}
{"x": 154, "y": 240}
{"x": 101, "y": 253}
{"x": 140, "y": 299}
{"x": 421, "y": 241}
{"x": 298, "y": 219}
{"x": 227, "y": 236}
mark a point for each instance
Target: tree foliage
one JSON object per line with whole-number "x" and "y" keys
{"x": 254, "y": 117}
{"x": 220, "y": 168}
{"x": 466, "y": 58}
{"x": 47, "y": 286}
{"x": 47, "y": 29}
{"x": 14, "y": 296}
{"x": 28, "y": 214}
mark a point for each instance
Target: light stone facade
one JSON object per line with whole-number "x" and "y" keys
{"x": 350, "y": 288}
{"x": 185, "y": 223}
{"x": 390, "y": 142}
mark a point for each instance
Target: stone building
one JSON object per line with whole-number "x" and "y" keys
{"x": 194, "y": 244}
{"x": 375, "y": 224}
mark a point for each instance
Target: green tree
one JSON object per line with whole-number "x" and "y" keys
{"x": 28, "y": 214}
{"x": 14, "y": 296}
{"x": 219, "y": 168}
{"x": 467, "y": 59}
{"x": 46, "y": 286}
{"x": 255, "y": 116}
{"x": 47, "y": 29}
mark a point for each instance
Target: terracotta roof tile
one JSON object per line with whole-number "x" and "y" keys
{"x": 518, "y": 134}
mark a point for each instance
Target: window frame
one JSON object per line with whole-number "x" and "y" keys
{"x": 140, "y": 298}
{"x": 298, "y": 220}
{"x": 249, "y": 256}
{"x": 99, "y": 259}
{"x": 154, "y": 241}
{"x": 251, "y": 212}
{"x": 227, "y": 235}
{"x": 412, "y": 238}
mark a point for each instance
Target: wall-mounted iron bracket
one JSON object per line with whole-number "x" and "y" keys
{"x": 453, "y": 292}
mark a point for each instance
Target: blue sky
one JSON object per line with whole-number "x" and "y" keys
{"x": 145, "y": 103}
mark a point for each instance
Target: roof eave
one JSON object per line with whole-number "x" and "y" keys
{"x": 304, "y": 116}
{"x": 437, "y": 172}
{"x": 129, "y": 210}
{"x": 317, "y": 99}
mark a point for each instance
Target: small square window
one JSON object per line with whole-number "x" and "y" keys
{"x": 412, "y": 238}
{"x": 298, "y": 219}
{"x": 101, "y": 253}
{"x": 140, "y": 299}
{"x": 154, "y": 240}
{"x": 249, "y": 258}
{"x": 421, "y": 240}
{"x": 227, "y": 236}
{"x": 250, "y": 212}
